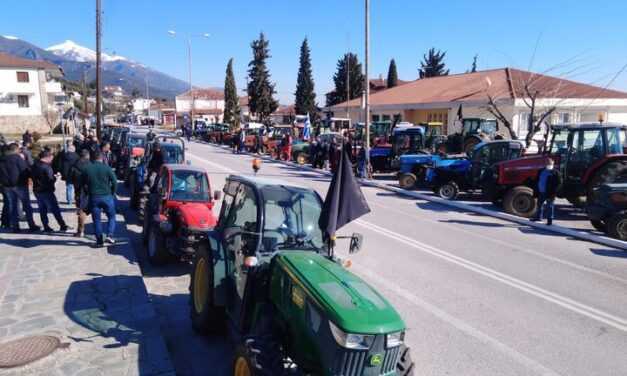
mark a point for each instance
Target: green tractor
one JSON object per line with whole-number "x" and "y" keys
{"x": 267, "y": 277}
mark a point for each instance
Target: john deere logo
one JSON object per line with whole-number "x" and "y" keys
{"x": 376, "y": 360}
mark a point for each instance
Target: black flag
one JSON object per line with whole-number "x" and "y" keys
{"x": 344, "y": 202}
{"x": 460, "y": 116}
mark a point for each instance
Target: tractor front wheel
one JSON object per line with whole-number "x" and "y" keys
{"x": 157, "y": 252}
{"x": 617, "y": 226}
{"x": 405, "y": 366}
{"x": 258, "y": 357}
{"x": 407, "y": 181}
{"x": 204, "y": 315}
{"x": 448, "y": 191}
{"x": 520, "y": 201}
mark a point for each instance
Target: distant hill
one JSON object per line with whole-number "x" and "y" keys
{"x": 76, "y": 60}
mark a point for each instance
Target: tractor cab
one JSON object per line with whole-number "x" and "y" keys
{"x": 178, "y": 212}
{"x": 434, "y": 135}
{"x": 266, "y": 273}
{"x": 473, "y": 132}
{"x": 587, "y": 155}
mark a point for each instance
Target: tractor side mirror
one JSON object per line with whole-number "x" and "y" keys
{"x": 217, "y": 195}
{"x": 357, "y": 241}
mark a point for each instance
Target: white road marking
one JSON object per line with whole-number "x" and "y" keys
{"x": 509, "y": 245}
{"x": 570, "y": 304}
{"x": 212, "y": 164}
{"x": 457, "y": 323}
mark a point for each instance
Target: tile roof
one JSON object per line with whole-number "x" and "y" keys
{"x": 213, "y": 94}
{"x": 503, "y": 83}
{"x": 11, "y": 61}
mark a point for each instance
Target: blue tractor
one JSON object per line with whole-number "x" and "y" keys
{"x": 449, "y": 178}
{"x": 413, "y": 167}
{"x": 404, "y": 140}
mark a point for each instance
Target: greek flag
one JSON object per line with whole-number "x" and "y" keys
{"x": 307, "y": 129}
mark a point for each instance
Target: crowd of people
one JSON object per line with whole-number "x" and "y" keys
{"x": 83, "y": 165}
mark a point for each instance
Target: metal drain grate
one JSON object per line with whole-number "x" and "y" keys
{"x": 26, "y": 350}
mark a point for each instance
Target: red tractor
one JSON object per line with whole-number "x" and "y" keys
{"x": 178, "y": 213}
{"x": 587, "y": 156}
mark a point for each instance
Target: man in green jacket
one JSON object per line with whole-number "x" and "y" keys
{"x": 101, "y": 184}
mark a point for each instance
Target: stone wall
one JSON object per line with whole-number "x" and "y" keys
{"x": 19, "y": 124}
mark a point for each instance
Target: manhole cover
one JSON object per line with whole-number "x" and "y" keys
{"x": 26, "y": 350}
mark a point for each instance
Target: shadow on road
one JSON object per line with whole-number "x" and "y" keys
{"x": 609, "y": 252}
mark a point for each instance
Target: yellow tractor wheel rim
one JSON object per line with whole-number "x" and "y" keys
{"x": 200, "y": 285}
{"x": 241, "y": 367}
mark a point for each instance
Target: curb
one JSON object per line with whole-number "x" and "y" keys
{"x": 602, "y": 240}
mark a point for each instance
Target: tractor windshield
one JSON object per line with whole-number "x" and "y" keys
{"x": 408, "y": 143}
{"x": 189, "y": 186}
{"x": 136, "y": 142}
{"x": 172, "y": 153}
{"x": 291, "y": 219}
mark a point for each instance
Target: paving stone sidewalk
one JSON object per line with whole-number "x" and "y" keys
{"x": 93, "y": 299}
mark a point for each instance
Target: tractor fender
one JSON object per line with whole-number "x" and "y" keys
{"x": 197, "y": 216}
{"x": 600, "y": 163}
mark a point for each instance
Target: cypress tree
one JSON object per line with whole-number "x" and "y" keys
{"x": 473, "y": 69}
{"x": 392, "y": 75}
{"x": 356, "y": 80}
{"x": 305, "y": 102}
{"x": 433, "y": 64}
{"x": 260, "y": 90}
{"x": 231, "y": 99}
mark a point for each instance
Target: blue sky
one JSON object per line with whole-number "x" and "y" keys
{"x": 502, "y": 33}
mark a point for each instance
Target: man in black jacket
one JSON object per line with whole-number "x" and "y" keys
{"x": 67, "y": 159}
{"x": 549, "y": 183}
{"x": 14, "y": 175}
{"x": 81, "y": 196}
{"x": 43, "y": 186}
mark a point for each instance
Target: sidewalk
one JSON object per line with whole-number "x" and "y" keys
{"x": 92, "y": 299}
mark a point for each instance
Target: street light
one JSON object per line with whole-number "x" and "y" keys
{"x": 173, "y": 33}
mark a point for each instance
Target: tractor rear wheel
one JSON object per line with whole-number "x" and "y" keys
{"x": 617, "y": 226}
{"x": 157, "y": 252}
{"x": 520, "y": 201}
{"x": 598, "y": 225}
{"x": 205, "y": 317}
{"x": 448, "y": 191}
{"x": 612, "y": 172}
{"x": 407, "y": 181}
{"x": 258, "y": 356}
{"x": 405, "y": 366}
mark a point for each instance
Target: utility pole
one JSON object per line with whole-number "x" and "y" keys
{"x": 367, "y": 88}
{"x": 98, "y": 70}
{"x": 348, "y": 82}
{"x": 192, "y": 101}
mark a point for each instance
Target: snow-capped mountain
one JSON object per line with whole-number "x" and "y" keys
{"x": 76, "y": 52}
{"x": 78, "y": 61}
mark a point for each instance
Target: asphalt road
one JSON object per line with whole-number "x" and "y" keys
{"x": 480, "y": 296}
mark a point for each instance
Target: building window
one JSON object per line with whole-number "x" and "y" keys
{"x": 564, "y": 117}
{"x": 22, "y": 101}
{"x": 375, "y": 117}
{"x": 22, "y": 77}
{"x": 386, "y": 117}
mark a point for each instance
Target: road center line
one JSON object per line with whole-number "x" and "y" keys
{"x": 510, "y": 245}
{"x": 455, "y": 322}
{"x": 570, "y": 304}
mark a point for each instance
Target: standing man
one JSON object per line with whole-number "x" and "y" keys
{"x": 107, "y": 156}
{"x": 14, "y": 175}
{"x": 549, "y": 182}
{"x": 101, "y": 184}
{"x": 68, "y": 159}
{"x": 27, "y": 138}
{"x": 81, "y": 196}
{"x": 43, "y": 187}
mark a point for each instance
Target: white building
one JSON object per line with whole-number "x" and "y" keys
{"x": 437, "y": 99}
{"x": 30, "y": 96}
{"x": 207, "y": 104}
{"x": 142, "y": 105}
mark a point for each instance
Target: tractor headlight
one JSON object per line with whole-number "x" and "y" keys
{"x": 351, "y": 341}
{"x": 394, "y": 339}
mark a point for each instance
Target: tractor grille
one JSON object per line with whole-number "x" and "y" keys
{"x": 351, "y": 363}
{"x": 354, "y": 363}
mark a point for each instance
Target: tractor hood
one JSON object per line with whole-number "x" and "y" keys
{"x": 344, "y": 298}
{"x": 381, "y": 151}
{"x": 416, "y": 158}
{"x": 197, "y": 215}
